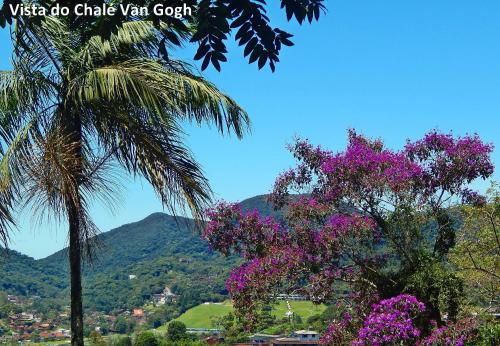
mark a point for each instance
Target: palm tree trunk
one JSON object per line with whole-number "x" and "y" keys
{"x": 73, "y": 129}
{"x": 76, "y": 277}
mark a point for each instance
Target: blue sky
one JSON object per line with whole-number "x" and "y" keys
{"x": 390, "y": 69}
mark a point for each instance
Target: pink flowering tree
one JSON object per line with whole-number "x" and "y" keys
{"x": 376, "y": 220}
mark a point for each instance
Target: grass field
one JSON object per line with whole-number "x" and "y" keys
{"x": 201, "y": 316}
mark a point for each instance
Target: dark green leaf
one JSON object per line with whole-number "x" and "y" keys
{"x": 202, "y": 50}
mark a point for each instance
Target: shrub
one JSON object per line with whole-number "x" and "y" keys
{"x": 453, "y": 334}
{"x": 176, "y": 331}
{"x": 489, "y": 335}
{"x": 124, "y": 341}
{"x": 146, "y": 339}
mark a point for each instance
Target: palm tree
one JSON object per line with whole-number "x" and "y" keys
{"x": 75, "y": 112}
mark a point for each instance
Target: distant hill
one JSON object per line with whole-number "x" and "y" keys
{"x": 156, "y": 235}
{"x": 261, "y": 204}
{"x": 158, "y": 250}
{"x": 20, "y": 274}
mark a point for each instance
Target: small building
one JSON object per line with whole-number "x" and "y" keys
{"x": 45, "y": 326}
{"x": 295, "y": 297}
{"x": 262, "y": 338}
{"x": 138, "y": 313}
{"x": 291, "y": 341}
{"x": 158, "y": 299}
{"x": 298, "y": 338}
{"x": 167, "y": 296}
{"x": 26, "y": 317}
{"x": 58, "y": 335}
{"x": 45, "y": 335}
{"x": 13, "y": 299}
{"x": 306, "y": 335}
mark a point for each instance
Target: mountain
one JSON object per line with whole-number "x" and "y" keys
{"x": 23, "y": 275}
{"x": 160, "y": 250}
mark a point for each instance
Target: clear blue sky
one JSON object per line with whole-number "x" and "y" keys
{"x": 391, "y": 69}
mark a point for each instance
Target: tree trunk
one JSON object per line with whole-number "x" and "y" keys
{"x": 73, "y": 129}
{"x": 76, "y": 277}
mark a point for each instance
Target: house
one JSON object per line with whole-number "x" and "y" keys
{"x": 64, "y": 333}
{"x": 262, "y": 339}
{"x": 132, "y": 277}
{"x": 26, "y": 317}
{"x": 298, "y": 338}
{"x": 212, "y": 331}
{"x": 158, "y": 299}
{"x": 13, "y": 299}
{"x": 45, "y": 326}
{"x": 291, "y": 341}
{"x": 138, "y": 313}
{"x": 306, "y": 335}
{"x": 44, "y": 335}
{"x": 139, "y": 316}
{"x": 58, "y": 335}
{"x": 25, "y": 336}
{"x": 167, "y": 296}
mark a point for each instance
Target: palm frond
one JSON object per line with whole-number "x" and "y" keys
{"x": 155, "y": 151}
{"x": 164, "y": 91}
{"x": 6, "y": 219}
{"x": 132, "y": 39}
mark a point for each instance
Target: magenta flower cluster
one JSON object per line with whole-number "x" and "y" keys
{"x": 368, "y": 166}
{"x": 438, "y": 163}
{"x": 452, "y": 334}
{"x": 229, "y": 230}
{"x": 449, "y": 163}
{"x": 338, "y": 225}
{"x": 337, "y": 332}
{"x": 391, "y": 322}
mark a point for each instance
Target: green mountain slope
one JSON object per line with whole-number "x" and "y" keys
{"x": 159, "y": 251}
{"x": 20, "y": 274}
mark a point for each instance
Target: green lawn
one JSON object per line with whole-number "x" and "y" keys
{"x": 304, "y": 309}
{"x": 201, "y": 316}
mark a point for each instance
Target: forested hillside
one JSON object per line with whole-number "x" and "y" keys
{"x": 20, "y": 274}
{"x": 159, "y": 251}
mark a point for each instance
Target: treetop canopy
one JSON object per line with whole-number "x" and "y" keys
{"x": 209, "y": 23}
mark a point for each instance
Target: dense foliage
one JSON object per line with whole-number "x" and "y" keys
{"x": 380, "y": 220}
{"x": 176, "y": 331}
{"x": 22, "y": 275}
{"x": 146, "y": 339}
{"x": 160, "y": 251}
{"x": 209, "y": 26}
{"x": 476, "y": 254}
